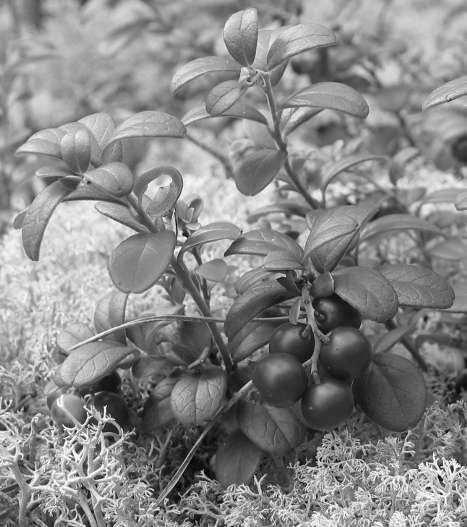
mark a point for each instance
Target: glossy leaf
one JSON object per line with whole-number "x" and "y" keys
{"x": 283, "y": 261}
{"x": 239, "y": 110}
{"x": 72, "y": 335}
{"x": 251, "y": 337}
{"x": 215, "y": 270}
{"x": 368, "y": 291}
{"x": 38, "y": 215}
{"x": 148, "y": 124}
{"x": 296, "y": 39}
{"x": 139, "y": 261}
{"x": 256, "y": 169}
{"x": 289, "y": 207}
{"x": 45, "y": 142}
{"x": 451, "y": 249}
{"x": 113, "y": 178}
{"x": 443, "y": 195}
{"x": 274, "y": 430}
{"x": 293, "y": 118}
{"x": 392, "y": 392}
{"x": 236, "y": 460}
{"x": 101, "y": 125}
{"x": 119, "y": 213}
{"x": 241, "y": 35}
{"x": 203, "y": 66}
{"x": 223, "y": 96}
{"x": 330, "y": 95}
{"x": 91, "y": 362}
{"x": 251, "y": 278}
{"x": 251, "y": 303}
{"x": 220, "y": 230}
{"x": 196, "y": 398}
{"x": 331, "y": 171}
{"x": 332, "y": 234}
{"x": 397, "y": 222}
{"x": 75, "y": 149}
{"x": 446, "y": 93}
{"x": 260, "y": 242}
{"x": 110, "y": 312}
{"x": 166, "y": 196}
{"x": 418, "y": 286}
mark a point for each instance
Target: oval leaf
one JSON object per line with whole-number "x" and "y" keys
{"x": 260, "y": 242}
{"x": 114, "y": 178}
{"x": 195, "y": 399}
{"x": 331, "y": 171}
{"x": 446, "y": 93}
{"x": 251, "y": 303}
{"x": 110, "y": 312}
{"x": 203, "y": 66}
{"x": 148, "y": 124}
{"x": 256, "y": 169}
{"x": 38, "y": 215}
{"x": 73, "y": 335}
{"x": 91, "y": 362}
{"x": 138, "y": 262}
{"x": 45, "y": 142}
{"x": 221, "y": 230}
{"x": 397, "y": 222}
{"x": 119, "y": 213}
{"x": 288, "y": 207}
{"x": 332, "y": 234}
{"x": 274, "y": 430}
{"x": 296, "y": 39}
{"x": 452, "y": 249}
{"x": 392, "y": 392}
{"x": 368, "y": 291}
{"x": 241, "y": 35}
{"x": 418, "y": 286}
{"x": 222, "y": 97}
{"x": 236, "y": 460}
{"x": 251, "y": 337}
{"x": 330, "y": 95}
{"x": 101, "y": 125}
{"x": 167, "y": 196}
{"x": 239, "y": 110}
{"x": 215, "y": 270}
{"x": 283, "y": 261}
{"x": 251, "y": 278}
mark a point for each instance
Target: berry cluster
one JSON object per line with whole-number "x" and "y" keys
{"x": 67, "y": 408}
{"x": 281, "y": 378}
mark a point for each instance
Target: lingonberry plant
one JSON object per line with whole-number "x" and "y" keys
{"x": 306, "y": 300}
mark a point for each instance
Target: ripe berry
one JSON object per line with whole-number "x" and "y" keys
{"x": 332, "y": 311}
{"x": 67, "y": 409}
{"x": 116, "y": 407}
{"x": 109, "y": 383}
{"x": 280, "y": 379}
{"x": 288, "y": 338}
{"x": 459, "y": 149}
{"x": 327, "y": 405}
{"x": 346, "y": 354}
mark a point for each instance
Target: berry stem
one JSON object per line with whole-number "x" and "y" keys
{"x": 319, "y": 336}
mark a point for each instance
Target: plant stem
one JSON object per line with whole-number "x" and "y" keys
{"x": 184, "y": 275}
{"x": 213, "y": 152}
{"x": 155, "y": 318}
{"x": 277, "y": 136}
{"x": 244, "y": 390}
{"x": 319, "y": 337}
{"x": 412, "y": 349}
